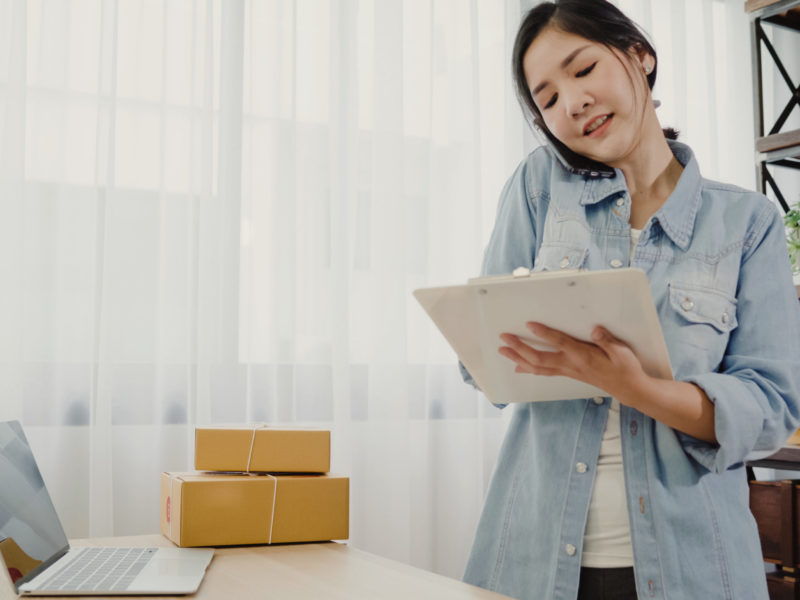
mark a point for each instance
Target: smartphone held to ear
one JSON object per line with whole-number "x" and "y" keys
{"x": 572, "y": 161}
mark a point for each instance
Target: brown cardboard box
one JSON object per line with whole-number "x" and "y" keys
{"x": 274, "y": 449}
{"x": 18, "y": 562}
{"x": 795, "y": 438}
{"x": 210, "y": 509}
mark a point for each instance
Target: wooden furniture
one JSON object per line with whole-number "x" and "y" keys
{"x": 776, "y": 509}
{"x": 327, "y": 570}
{"x": 776, "y": 148}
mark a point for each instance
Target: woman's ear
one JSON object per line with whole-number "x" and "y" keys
{"x": 640, "y": 54}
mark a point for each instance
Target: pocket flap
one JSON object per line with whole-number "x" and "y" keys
{"x": 703, "y": 305}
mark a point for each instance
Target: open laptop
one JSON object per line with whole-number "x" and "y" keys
{"x": 37, "y": 555}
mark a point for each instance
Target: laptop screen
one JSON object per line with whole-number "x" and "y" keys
{"x": 31, "y": 536}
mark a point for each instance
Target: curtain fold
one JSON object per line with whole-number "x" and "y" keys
{"x": 216, "y": 212}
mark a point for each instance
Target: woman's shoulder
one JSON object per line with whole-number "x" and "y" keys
{"x": 725, "y": 196}
{"x": 538, "y": 157}
{"x": 732, "y": 193}
{"x": 746, "y": 213}
{"x": 734, "y": 198}
{"x": 537, "y": 172}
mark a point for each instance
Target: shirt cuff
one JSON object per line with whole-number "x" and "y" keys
{"x": 749, "y": 422}
{"x": 468, "y": 379}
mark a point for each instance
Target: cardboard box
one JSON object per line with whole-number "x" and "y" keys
{"x": 794, "y": 439}
{"x": 211, "y": 509}
{"x": 18, "y": 562}
{"x": 274, "y": 449}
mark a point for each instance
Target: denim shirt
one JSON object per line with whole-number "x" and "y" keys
{"x": 716, "y": 260}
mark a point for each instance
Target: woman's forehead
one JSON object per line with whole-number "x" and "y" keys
{"x": 555, "y": 45}
{"x": 554, "y": 50}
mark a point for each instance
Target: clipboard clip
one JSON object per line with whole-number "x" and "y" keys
{"x": 520, "y": 272}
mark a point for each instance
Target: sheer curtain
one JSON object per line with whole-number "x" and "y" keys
{"x": 216, "y": 211}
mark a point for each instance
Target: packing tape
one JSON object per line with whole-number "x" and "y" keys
{"x": 169, "y": 507}
{"x": 272, "y": 516}
{"x": 274, "y": 499}
{"x": 256, "y": 427}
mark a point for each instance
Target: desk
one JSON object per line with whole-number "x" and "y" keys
{"x": 324, "y": 571}
{"x": 787, "y": 459}
{"x": 773, "y": 505}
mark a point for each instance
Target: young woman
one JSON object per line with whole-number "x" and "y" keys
{"x": 642, "y": 492}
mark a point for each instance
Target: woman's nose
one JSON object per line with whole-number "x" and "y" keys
{"x": 577, "y": 102}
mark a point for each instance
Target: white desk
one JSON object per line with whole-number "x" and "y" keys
{"x": 324, "y": 571}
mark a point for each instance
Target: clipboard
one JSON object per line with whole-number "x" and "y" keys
{"x": 472, "y": 316}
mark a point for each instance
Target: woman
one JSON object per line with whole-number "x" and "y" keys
{"x": 641, "y": 493}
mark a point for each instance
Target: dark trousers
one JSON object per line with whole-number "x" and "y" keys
{"x": 607, "y": 584}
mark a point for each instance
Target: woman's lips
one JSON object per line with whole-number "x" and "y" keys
{"x": 599, "y": 130}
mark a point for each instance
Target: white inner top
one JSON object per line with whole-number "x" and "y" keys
{"x": 607, "y": 538}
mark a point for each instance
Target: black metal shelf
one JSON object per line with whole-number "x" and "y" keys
{"x": 776, "y": 148}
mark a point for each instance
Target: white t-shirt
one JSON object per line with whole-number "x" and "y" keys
{"x": 607, "y": 537}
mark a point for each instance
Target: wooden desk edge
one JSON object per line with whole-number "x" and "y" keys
{"x": 389, "y": 567}
{"x": 787, "y": 458}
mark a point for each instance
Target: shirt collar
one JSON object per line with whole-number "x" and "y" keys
{"x": 677, "y": 215}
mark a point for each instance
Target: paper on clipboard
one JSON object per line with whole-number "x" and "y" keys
{"x": 472, "y": 316}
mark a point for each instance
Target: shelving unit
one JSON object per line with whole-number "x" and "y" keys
{"x": 775, "y": 504}
{"x": 775, "y": 148}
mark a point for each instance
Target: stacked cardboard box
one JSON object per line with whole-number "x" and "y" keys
{"x": 256, "y": 485}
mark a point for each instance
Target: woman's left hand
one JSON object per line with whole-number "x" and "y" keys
{"x": 607, "y": 363}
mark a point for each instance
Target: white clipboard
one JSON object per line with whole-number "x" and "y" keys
{"x": 472, "y": 316}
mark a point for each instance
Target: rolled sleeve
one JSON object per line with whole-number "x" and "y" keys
{"x": 755, "y": 392}
{"x": 466, "y": 376}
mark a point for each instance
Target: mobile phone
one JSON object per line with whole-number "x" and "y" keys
{"x": 572, "y": 161}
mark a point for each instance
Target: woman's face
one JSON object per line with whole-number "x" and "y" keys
{"x": 590, "y": 97}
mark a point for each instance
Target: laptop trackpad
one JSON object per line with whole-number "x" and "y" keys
{"x": 176, "y": 566}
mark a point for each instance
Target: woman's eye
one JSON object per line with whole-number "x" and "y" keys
{"x": 552, "y": 101}
{"x": 586, "y": 71}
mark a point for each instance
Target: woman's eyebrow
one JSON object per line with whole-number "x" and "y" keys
{"x": 564, "y": 64}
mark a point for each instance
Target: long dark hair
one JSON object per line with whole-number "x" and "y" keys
{"x": 595, "y": 20}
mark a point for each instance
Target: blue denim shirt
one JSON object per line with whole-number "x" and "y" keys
{"x": 715, "y": 256}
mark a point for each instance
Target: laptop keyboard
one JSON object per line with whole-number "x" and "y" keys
{"x": 112, "y": 569}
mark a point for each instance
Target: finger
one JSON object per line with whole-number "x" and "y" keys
{"x": 520, "y": 352}
{"x": 609, "y": 343}
{"x": 536, "y": 370}
{"x": 550, "y": 335}
{"x": 518, "y": 358}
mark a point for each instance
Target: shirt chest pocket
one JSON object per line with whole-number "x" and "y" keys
{"x": 557, "y": 257}
{"x": 706, "y": 318}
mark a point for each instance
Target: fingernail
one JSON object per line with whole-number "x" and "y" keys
{"x": 597, "y": 335}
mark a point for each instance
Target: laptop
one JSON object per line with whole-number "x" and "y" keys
{"x": 38, "y": 557}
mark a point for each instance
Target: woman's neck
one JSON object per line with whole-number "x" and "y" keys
{"x": 651, "y": 174}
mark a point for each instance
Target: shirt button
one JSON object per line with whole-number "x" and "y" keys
{"x": 564, "y": 262}
{"x": 597, "y": 400}
{"x": 725, "y": 317}
{"x": 634, "y": 427}
{"x": 620, "y": 201}
{"x": 616, "y": 263}
{"x": 571, "y": 550}
{"x": 687, "y": 305}
{"x": 581, "y": 467}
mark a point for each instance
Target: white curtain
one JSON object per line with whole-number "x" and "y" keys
{"x": 215, "y": 211}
